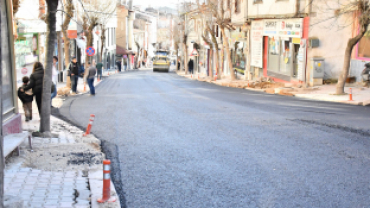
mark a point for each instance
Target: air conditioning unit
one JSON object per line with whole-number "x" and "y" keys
{"x": 124, "y": 2}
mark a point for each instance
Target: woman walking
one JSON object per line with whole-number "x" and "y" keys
{"x": 36, "y": 83}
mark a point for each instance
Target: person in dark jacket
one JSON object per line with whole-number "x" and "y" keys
{"x": 36, "y": 83}
{"x": 191, "y": 66}
{"x": 178, "y": 65}
{"x": 73, "y": 68}
{"x": 26, "y": 97}
{"x": 91, "y": 78}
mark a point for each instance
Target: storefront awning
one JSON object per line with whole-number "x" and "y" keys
{"x": 31, "y": 26}
{"x": 120, "y": 51}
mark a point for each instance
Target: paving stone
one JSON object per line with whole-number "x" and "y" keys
{"x": 28, "y": 187}
{"x": 26, "y": 191}
{"x": 38, "y": 199}
{"x": 51, "y": 202}
{"x": 67, "y": 198}
{"x": 39, "y": 193}
{"x": 66, "y": 204}
{"x": 42, "y": 185}
{"x": 49, "y": 196}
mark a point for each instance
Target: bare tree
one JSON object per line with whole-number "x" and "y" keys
{"x": 51, "y": 37}
{"x": 68, "y": 8}
{"x": 96, "y": 12}
{"x": 223, "y": 19}
{"x": 208, "y": 25}
{"x": 42, "y": 14}
{"x": 363, "y": 10}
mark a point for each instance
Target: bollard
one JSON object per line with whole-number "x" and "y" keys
{"x": 91, "y": 121}
{"x": 350, "y": 94}
{"x": 216, "y": 76}
{"x": 106, "y": 184}
{"x": 248, "y": 84}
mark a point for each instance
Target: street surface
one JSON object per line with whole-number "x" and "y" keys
{"x": 184, "y": 143}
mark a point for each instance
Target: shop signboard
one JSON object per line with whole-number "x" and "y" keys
{"x": 291, "y": 28}
{"x": 72, "y": 30}
{"x": 257, "y": 44}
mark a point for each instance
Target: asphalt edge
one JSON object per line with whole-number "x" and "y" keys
{"x": 356, "y": 103}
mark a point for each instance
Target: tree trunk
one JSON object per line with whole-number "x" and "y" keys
{"x": 347, "y": 60}
{"x": 228, "y": 55}
{"x": 2, "y": 160}
{"x": 210, "y": 71}
{"x": 215, "y": 44}
{"x": 102, "y": 38}
{"x": 69, "y": 14}
{"x": 51, "y": 37}
{"x": 186, "y": 58}
{"x": 247, "y": 59}
{"x": 89, "y": 43}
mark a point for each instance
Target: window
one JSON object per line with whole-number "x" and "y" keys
{"x": 363, "y": 47}
{"x": 7, "y": 66}
{"x": 237, "y": 6}
{"x": 257, "y": 1}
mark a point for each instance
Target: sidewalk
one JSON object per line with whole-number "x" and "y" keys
{"x": 65, "y": 171}
{"x": 360, "y": 95}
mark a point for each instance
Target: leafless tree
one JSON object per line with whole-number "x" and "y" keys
{"x": 220, "y": 11}
{"x": 51, "y": 37}
{"x": 69, "y": 12}
{"x": 362, "y": 8}
{"x": 95, "y": 12}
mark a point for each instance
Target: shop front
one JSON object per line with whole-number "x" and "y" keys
{"x": 279, "y": 49}
{"x": 11, "y": 119}
{"x": 238, "y": 49}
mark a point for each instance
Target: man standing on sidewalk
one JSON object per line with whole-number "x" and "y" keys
{"x": 99, "y": 67}
{"x": 91, "y": 78}
{"x": 73, "y": 69}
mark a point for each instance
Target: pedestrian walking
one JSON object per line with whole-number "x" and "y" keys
{"x": 91, "y": 78}
{"x": 124, "y": 64}
{"x": 191, "y": 66}
{"x": 99, "y": 67}
{"x": 26, "y": 97}
{"x": 53, "y": 93}
{"x": 73, "y": 70}
{"x": 36, "y": 83}
{"x": 55, "y": 71}
{"x": 178, "y": 65}
{"x": 119, "y": 65}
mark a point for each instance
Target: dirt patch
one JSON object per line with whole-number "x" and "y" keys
{"x": 64, "y": 157}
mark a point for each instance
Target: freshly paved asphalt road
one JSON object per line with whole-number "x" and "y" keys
{"x": 183, "y": 143}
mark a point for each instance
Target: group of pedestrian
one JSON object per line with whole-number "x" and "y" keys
{"x": 190, "y": 66}
{"x": 32, "y": 86}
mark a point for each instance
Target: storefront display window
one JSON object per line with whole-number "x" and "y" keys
{"x": 6, "y": 62}
{"x": 25, "y": 50}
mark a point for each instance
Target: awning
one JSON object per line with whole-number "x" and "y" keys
{"x": 120, "y": 51}
{"x": 31, "y": 26}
